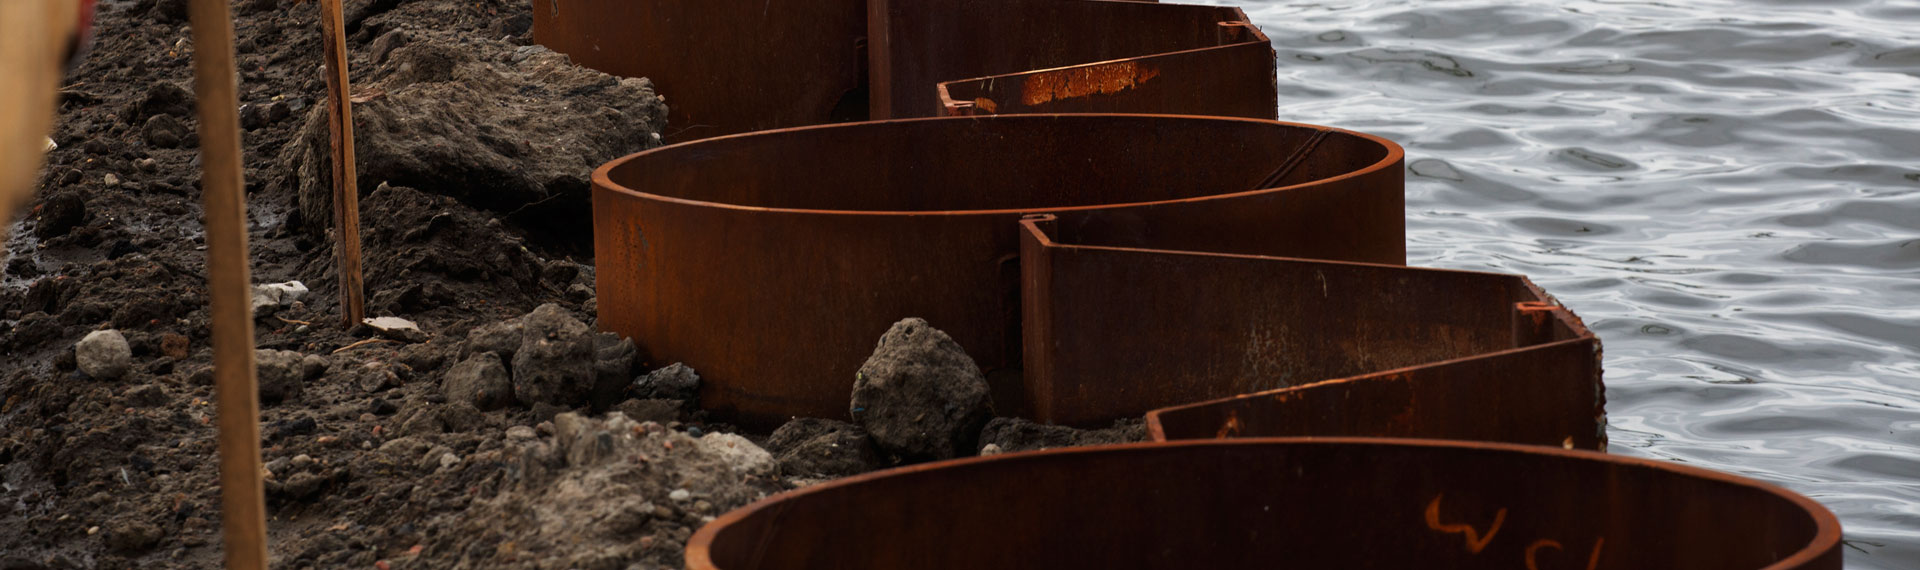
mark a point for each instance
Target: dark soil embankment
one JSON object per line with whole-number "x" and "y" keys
{"x": 493, "y": 442}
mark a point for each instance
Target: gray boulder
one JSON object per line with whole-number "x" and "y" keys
{"x": 283, "y": 374}
{"x": 919, "y": 396}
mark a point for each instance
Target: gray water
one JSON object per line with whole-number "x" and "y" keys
{"x": 1727, "y": 191}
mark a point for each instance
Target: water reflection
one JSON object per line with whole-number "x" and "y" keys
{"x": 1727, "y": 191}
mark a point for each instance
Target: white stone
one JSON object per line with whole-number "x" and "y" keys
{"x": 272, "y": 296}
{"x": 104, "y": 354}
{"x": 739, "y": 453}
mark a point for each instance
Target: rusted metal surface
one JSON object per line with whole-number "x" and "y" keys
{"x": 1213, "y": 81}
{"x": 1067, "y": 56}
{"x": 734, "y": 66}
{"x": 1117, "y": 324}
{"x": 1303, "y": 503}
{"x": 726, "y": 66}
{"x": 1542, "y": 387}
{"x": 771, "y": 261}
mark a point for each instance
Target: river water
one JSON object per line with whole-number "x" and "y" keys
{"x": 1727, "y": 191}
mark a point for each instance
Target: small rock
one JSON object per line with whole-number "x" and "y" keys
{"x": 423, "y": 357}
{"x": 385, "y": 44}
{"x": 449, "y": 460}
{"x": 104, "y": 354}
{"x": 312, "y": 366}
{"x": 269, "y": 298}
{"x": 163, "y": 131}
{"x": 282, "y": 374}
{"x": 253, "y": 116}
{"x": 303, "y": 486}
{"x": 739, "y": 453}
{"x": 382, "y": 407}
{"x": 612, "y": 367}
{"x": 480, "y": 380}
{"x": 814, "y": 447}
{"x": 919, "y": 396}
{"x": 146, "y": 165}
{"x": 162, "y": 97}
{"x": 374, "y": 376}
{"x": 132, "y": 537}
{"x": 173, "y": 345}
{"x": 521, "y": 433}
{"x": 554, "y": 363}
{"x": 1015, "y": 434}
{"x": 502, "y": 338}
{"x": 147, "y": 395}
{"x": 285, "y": 429}
{"x": 396, "y": 328}
{"x": 202, "y": 376}
{"x": 586, "y": 442}
{"x": 659, "y": 411}
{"x": 279, "y": 111}
{"x": 676, "y": 381}
{"x": 545, "y": 412}
{"x": 110, "y": 180}
{"x": 680, "y": 495}
{"x": 301, "y": 461}
{"x": 60, "y": 215}
{"x": 991, "y": 449}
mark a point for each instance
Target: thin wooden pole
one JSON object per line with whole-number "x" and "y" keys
{"x": 346, "y": 187}
{"x": 32, "y": 36}
{"x": 243, "y": 511}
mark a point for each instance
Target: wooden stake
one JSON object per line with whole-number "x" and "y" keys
{"x": 243, "y": 512}
{"x": 33, "y": 33}
{"x": 346, "y": 187}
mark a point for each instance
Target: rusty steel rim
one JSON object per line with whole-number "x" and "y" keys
{"x": 602, "y": 179}
{"x": 1466, "y": 521}
{"x": 694, "y": 249}
{"x": 737, "y": 66}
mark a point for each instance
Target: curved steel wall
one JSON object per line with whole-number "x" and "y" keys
{"x": 771, "y": 261}
{"x": 1291, "y": 503}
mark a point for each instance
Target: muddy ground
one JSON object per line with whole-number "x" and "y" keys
{"x": 507, "y": 435}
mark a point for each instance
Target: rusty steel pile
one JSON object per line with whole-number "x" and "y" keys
{"x": 842, "y": 164}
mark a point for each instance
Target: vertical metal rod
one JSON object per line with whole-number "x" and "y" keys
{"x": 243, "y": 521}
{"x": 31, "y": 34}
{"x": 346, "y": 187}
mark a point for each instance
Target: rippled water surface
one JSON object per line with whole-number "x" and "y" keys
{"x": 1728, "y": 192}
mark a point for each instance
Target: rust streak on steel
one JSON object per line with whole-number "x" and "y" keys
{"x": 1311, "y": 502}
{"x": 1234, "y": 78}
{"x": 1207, "y": 59}
{"x": 1076, "y": 82}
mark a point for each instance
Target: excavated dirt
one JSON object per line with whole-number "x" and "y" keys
{"x": 508, "y": 438}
